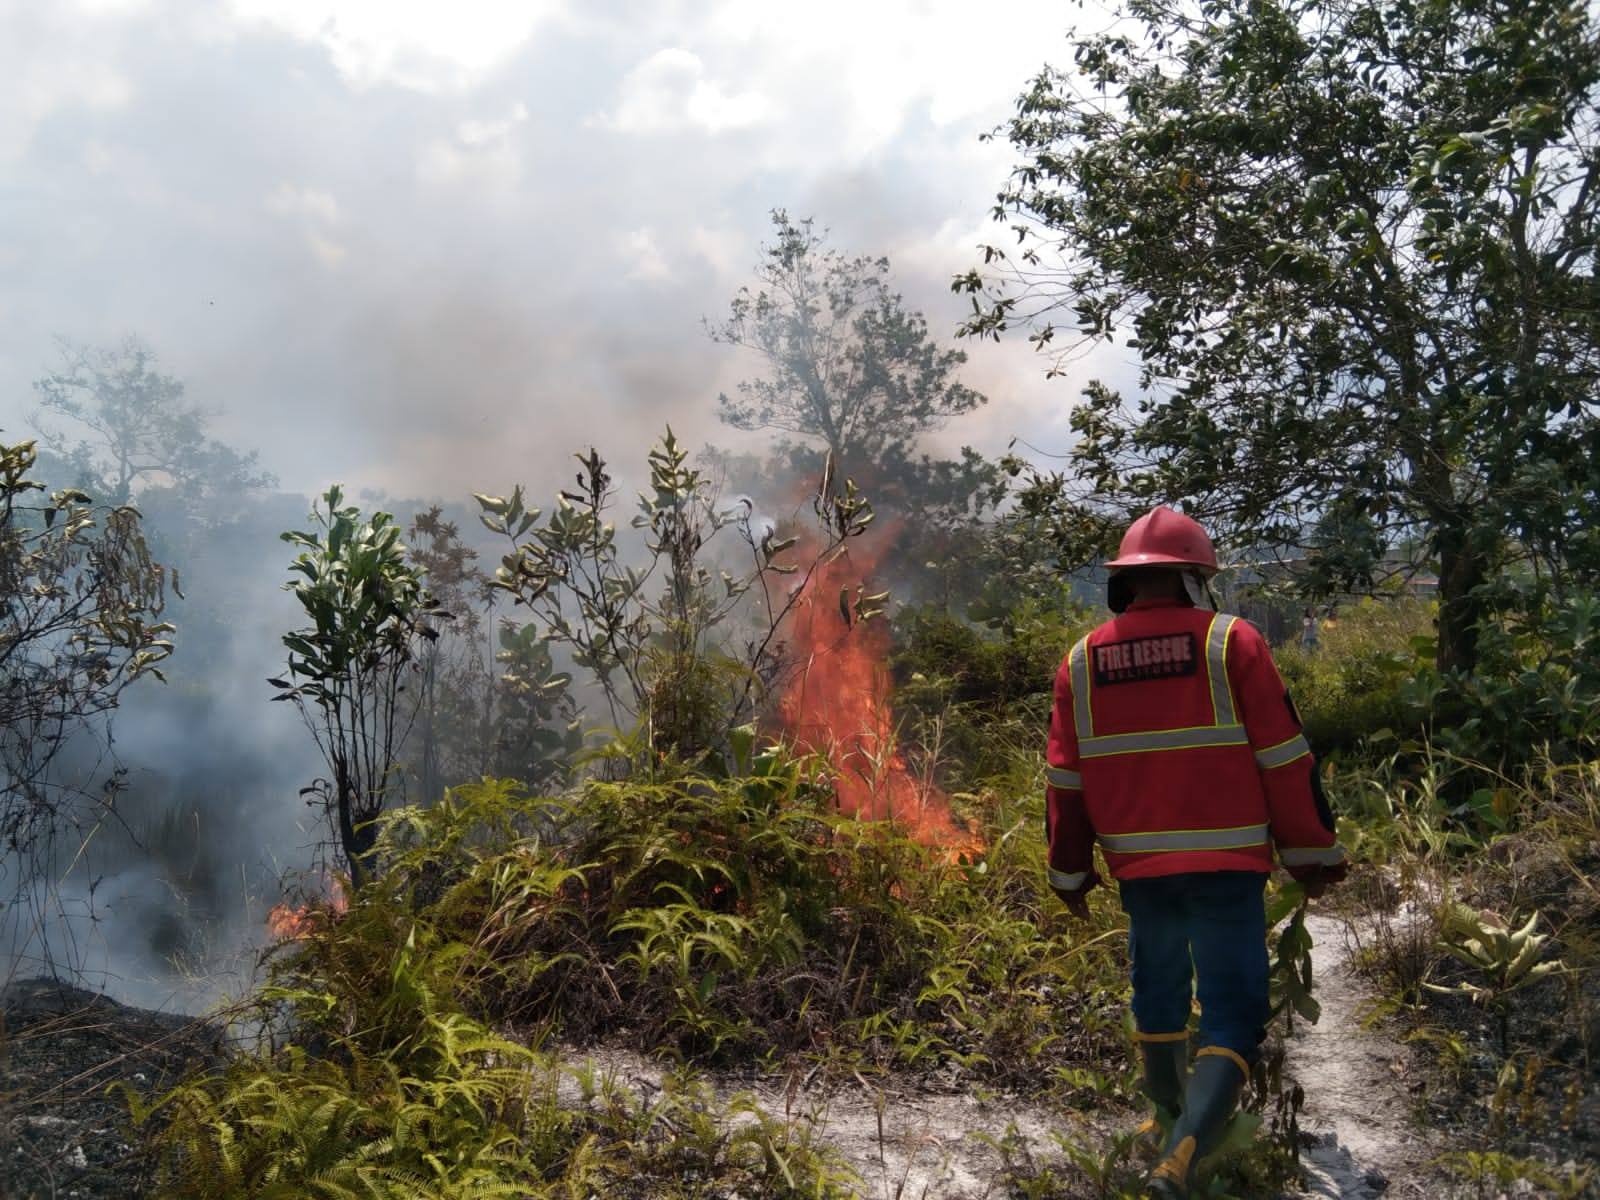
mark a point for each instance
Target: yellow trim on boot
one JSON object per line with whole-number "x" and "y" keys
{"x": 1181, "y": 1036}
{"x": 1149, "y": 1138}
{"x": 1224, "y": 1052}
{"x": 1174, "y": 1169}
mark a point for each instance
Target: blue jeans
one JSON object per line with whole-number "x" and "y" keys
{"x": 1201, "y": 933}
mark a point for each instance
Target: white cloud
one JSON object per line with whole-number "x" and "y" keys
{"x": 669, "y": 91}
{"x": 49, "y": 62}
{"x": 315, "y": 205}
{"x": 485, "y": 154}
{"x": 484, "y": 133}
{"x": 326, "y": 251}
{"x": 317, "y": 212}
{"x": 98, "y": 158}
{"x": 423, "y": 45}
{"x": 727, "y": 250}
{"x": 642, "y": 258}
{"x": 101, "y": 8}
{"x": 726, "y": 253}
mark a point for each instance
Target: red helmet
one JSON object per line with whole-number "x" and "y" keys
{"x": 1164, "y": 538}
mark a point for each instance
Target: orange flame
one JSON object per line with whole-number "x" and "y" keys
{"x": 838, "y": 706}
{"x": 287, "y": 922}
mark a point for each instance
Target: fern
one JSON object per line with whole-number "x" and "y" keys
{"x": 702, "y": 912}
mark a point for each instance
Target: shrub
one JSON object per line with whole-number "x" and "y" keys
{"x": 1534, "y": 692}
{"x": 1354, "y": 684}
{"x": 712, "y": 919}
{"x": 973, "y": 696}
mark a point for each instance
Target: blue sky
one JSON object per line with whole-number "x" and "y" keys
{"x": 435, "y": 248}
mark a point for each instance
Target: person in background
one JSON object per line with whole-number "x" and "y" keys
{"x": 1174, "y": 745}
{"x": 1308, "y": 631}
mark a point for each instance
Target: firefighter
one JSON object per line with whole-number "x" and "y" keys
{"x": 1174, "y": 744}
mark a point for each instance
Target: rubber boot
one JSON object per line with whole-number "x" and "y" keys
{"x": 1166, "y": 1063}
{"x": 1213, "y": 1093}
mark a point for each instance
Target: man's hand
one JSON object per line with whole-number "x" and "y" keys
{"x": 1320, "y": 879}
{"x": 1077, "y": 902}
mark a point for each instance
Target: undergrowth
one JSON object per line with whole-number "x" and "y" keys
{"x": 720, "y": 919}
{"x": 1477, "y": 929}
{"x": 733, "y": 917}
{"x": 709, "y": 920}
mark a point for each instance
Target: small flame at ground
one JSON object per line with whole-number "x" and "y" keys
{"x": 838, "y": 706}
{"x": 288, "y": 922}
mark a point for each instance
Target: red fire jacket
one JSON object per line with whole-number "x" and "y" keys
{"x": 1174, "y": 743}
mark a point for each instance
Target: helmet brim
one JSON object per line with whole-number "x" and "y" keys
{"x": 1161, "y": 560}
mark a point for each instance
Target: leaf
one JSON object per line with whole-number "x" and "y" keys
{"x": 1307, "y": 1006}
{"x": 1240, "y": 1133}
{"x": 1289, "y": 897}
{"x": 706, "y": 986}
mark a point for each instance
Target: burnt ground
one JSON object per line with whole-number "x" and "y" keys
{"x": 64, "y": 1128}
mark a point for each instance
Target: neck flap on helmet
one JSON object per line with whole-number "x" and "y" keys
{"x": 1198, "y": 589}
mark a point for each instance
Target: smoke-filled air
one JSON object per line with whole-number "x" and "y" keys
{"x": 723, "y": 600}
{"x": 258, "y": 252}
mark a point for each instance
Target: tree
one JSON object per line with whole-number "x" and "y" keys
{"x": 1353, "y": 245}
{"x": 141, "y": 432}
{"x": 850, "y": 366}
{"x": 505, "y": 712}
{"x": 455, "y": 678}
{"x": 370, "y": 614}
{"x": 678, "y": 644}
{"x": 80, "y": 607}
{"x": 538, "y": 730}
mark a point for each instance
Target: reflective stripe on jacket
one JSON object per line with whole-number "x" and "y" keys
{"x": 1173, "y": 743}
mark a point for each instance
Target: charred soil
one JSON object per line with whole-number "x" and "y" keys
{"x": 65, "y": 1129}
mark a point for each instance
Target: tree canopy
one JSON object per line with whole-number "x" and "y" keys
{"x": 1353, "y": 246}
{"x": 80, "y": 607}
{"x": 850, "y": 366}
{"x": 130, "y": 429}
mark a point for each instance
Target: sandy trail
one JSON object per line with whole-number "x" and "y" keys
{"x": 910, "y": 1143}
{"x": 1356, "y": 1102}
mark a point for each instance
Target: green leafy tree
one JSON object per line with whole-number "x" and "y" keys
{"x": 348, "y": 670}
{"x": 849, "y": 366}
{"x": 678, "y": 643}
{"x": 80, "y": 607}
{"x": 1353, "y": 246}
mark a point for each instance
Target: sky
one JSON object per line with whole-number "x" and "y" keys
{"x": 432, "y": 248}
{"x": 429, "y": 249}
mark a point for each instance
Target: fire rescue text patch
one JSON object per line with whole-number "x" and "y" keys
{"x": 1145, "y": 658}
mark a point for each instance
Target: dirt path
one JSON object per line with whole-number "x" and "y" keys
{"x": 905, "y": 1142}
{"x": 911, "y": 1145}
{"x": 1356, "y": 1100}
